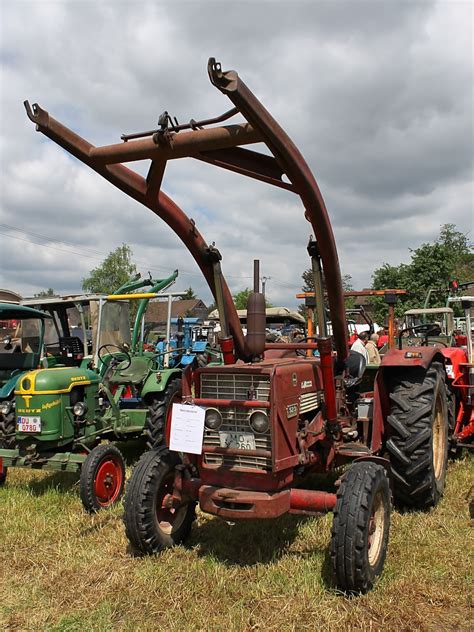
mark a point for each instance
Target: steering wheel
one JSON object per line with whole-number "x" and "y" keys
{"x": 111, "y": 360}
{"x": 426, "y": 329}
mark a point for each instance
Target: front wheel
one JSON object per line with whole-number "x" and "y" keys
{"x": 360, "y": 527}
{"x": 102, "y": 478}
{"x": 159, "y": 408}
{"x": 151, "y": 524}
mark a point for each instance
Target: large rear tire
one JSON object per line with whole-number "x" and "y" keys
{"x": 159, "y": 407}
{"x": 418, "y": 444}
{"x": 8, "y": 430}
{"x": 360, "y": 527}
{"x": 149, "y": 524}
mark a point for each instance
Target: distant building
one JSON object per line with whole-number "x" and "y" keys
{"x": 157, "y": 311}
{"x": 8, "y": 296}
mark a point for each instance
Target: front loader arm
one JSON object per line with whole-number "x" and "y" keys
{"x": 221, "y": 146}
{"x": 137, "y": 187}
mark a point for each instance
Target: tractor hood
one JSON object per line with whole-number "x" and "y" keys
{"x": 55, "y": 381}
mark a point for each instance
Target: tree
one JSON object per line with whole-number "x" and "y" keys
{"x": 432, "y": 266}
{"x": 240, "y": 299}
{"x": 114, "y": 271}
{"x": 189, "y": 295}
{"x": 45, "y": 293}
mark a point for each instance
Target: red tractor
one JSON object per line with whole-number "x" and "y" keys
{"x": 257, "y": 426}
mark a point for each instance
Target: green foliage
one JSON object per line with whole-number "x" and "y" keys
{"x": 189, "y": 295}
{"x": 432, "y": 266}
{"x": 46, "y": 293}
{"x": 115, "y": 270}
{"x": 240, "y": 299}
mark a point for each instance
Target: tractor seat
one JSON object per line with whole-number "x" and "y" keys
{"x": 356, "y": 366}
{"x": 134, "y": 374}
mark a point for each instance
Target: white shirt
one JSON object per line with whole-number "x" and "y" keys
{"x": 359, "y": 346}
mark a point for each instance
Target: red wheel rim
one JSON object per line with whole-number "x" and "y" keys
{"x": 168, "y": 518}
{"x": 108, "y": 482}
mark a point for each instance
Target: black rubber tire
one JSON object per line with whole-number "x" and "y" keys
{"x": 8, "y": 430}
{"x": 97, "y": 457}
{"x": 418, "y": 418}
{"x": 158, "y": 406}
{"x": 3, "y": 476}
{"x": 142, "y": 498}
{"x": 364, "y": 490}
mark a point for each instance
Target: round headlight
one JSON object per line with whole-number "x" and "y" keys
{"x": 6, "y": 407}
{"x": 213, "y": 419}
{"x": 79, "y": 409}
{"x": 259, "y": 421}
{"x": 26, "y": 384}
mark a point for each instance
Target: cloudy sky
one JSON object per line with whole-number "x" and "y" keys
{"x": 377, "y": 95}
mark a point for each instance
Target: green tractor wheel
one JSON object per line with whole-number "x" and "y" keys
{"x": 102, "y": 477}
{"x": 159, "y": 407}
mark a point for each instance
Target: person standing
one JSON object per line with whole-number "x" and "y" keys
{"x": 359, "y": 345}
{"x": 372, "y": 350}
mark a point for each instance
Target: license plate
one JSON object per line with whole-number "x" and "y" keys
{"x": 237, "y": 440}
{"x": 28, "y": 424}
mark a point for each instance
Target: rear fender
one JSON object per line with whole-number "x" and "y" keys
{"x": 412, "y": 357}
{"x": 153, "y": 385}
{"x": 454, "y": 357}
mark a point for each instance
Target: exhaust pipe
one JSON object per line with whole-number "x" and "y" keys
{"x": 256, "y": 319}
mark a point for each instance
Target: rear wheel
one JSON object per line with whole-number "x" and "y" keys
{"x": 102, "y": 478}
{"x": 8, "y": 429}
{"x": 418, "y": 445}
{"x": 360, "y": 527}
{"x": 160, "y": 406}
{"x": 150, "y": 524}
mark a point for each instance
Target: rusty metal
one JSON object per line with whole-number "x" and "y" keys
{"x": 178, "y": 145}
{"x": 308, "y": 501}
{"x": 227, "y": 403}
{"x": 168, "y": 143}
{"x": 295, "y": 167}
{"x": 134, "y": 185}
{"x": 175, "y": 127}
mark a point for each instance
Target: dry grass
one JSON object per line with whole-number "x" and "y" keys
{"x": 63, "y": 570}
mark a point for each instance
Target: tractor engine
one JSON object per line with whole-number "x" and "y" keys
{"x": 260, "y": 424}
{"x": 53, "y": 407}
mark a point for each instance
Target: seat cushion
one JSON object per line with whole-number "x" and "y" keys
{"x": 134, "y": 374}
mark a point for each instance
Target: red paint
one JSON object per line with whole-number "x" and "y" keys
{"x": 311, "y": 501}
{"x": 327, "y": 370}
{"x": 108, "y": 482}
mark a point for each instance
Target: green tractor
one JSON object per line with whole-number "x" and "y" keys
{"x": 20, "y": 351}
{"x": 83, "y": 418}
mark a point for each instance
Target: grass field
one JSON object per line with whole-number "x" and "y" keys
{"x": 64, "y": 570}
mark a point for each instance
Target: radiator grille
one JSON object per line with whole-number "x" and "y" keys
{"x": 310, "y": 401}
{"x": 239, "y": 462}
{"x": 235, "y": 386}
{"x": 237, "y": 420}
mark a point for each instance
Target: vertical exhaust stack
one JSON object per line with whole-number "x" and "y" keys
{"x": 256, "y": 319}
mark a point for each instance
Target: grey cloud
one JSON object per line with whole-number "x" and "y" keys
{"x": 377, "y": 95}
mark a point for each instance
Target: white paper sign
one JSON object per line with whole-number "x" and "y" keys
{"x": 187, "y": 428}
